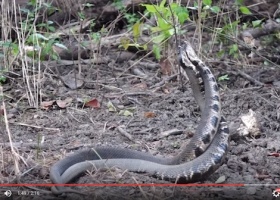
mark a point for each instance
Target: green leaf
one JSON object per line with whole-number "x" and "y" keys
{"x": 163, "y": 24}
{"x": 156, "y": 29}
{"x": 266, "y": 63}
{"x": 126, "y": 113}
{"x": 182, "y": 14}
{"x": 33, "y": 2}
{"x": 244, "y": 10}
{"x": 136, "y": 29}
{"x": 62, "y": 46}
{"x": 150, "y": 8}
{"x": 32, "y": 39}
{"x": 5, "y": 44}
{"x": 125, "y": 43}
{"x": 207, "y": 2}
{"x": 40, "y": 36}
{"x": 170, "y": 32}
{"x": 244, "y": 26}
{"x": 223, "y": 78}
{"x": 221, "y": 53}
{"x": 88, "y": 5}
{"x": 215, "y": 9}
{"x": 183, "y": 17}
{"x": 195, "y": 5}
{"x": 145, "y": 47}
{"x": 24, "y": 10}
{"x": 159, "y": 38}
{"x": 111, "y": 107}
{"x": 51, "y": 29}
{"x": 173, "y": 6}
{"x": 256, "y": 23}
{"x": 239, "y": 2}
{"x": 156, "y": 50}
{"x": 3, "y": 79}
{"x": 233, "y": 49}
{"x": 162, "y": 3}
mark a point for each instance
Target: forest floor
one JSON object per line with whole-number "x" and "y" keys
{"x": 155, "y": 111}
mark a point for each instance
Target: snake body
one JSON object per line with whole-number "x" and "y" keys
{"x": 196, "y": 161}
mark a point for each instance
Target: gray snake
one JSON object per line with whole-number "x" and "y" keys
{"x": 196, "y": 161}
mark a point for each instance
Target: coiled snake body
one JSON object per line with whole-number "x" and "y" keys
{"x": 197, "y": 160}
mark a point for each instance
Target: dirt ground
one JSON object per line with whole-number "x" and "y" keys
{"x": 156, "y": 108}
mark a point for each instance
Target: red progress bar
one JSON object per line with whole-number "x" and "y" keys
{"x": 123, "y": 185}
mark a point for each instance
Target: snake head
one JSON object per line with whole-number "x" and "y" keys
{"x": 185, "y": 56}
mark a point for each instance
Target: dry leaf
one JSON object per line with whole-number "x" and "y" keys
{"x": 73, "y": 80}
{"x": 149, "y": 114}
{"x": 142, "y": 86}
{"x": 166, "y": 91}
{"x": 274, "y": 154}
{"x": 64, "y": 103}
{"x": 94, "y": 103}
{"x": 221, "y": 179}
{"x": 251, "y": 124}
{"x": 47, "y": 104}
{"x": 165, "y": 66}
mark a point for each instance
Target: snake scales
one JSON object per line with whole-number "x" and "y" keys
{"x": 197, "y": 160}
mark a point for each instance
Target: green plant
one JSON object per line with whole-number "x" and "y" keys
{"x": 166, "y": 16}
{"x": 243, "y": 9}
{"x": 3, "y": 79}
{"x": 35, "y": 41}
{"x": 231, "y": 30}
{"x": 42, "y": 47}
{"x": 223, "y": 78}
{"x": 32, "y": 14}
{"x": 206, "y": 8}
{"x": 131, "y": 18}
{"x": 38, "y": 35}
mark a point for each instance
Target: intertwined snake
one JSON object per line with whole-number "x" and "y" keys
{"x": 196, "y": 161}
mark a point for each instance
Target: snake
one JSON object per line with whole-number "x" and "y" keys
{"x": 198, "y": 159}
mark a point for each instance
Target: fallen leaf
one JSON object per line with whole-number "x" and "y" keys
{"x": 111, "y": 107}
{"x": 73, "y": 80}
{"x": 149, "y": 114}
{"x": 165, "y": 66}
{"x": 126, "y": 113}
{"x": 94, "y": 103}
{"x": 221, "y": 179}
{"x": 47, "y": 104}
{"x": 166, "y": 91}
{"x": 64, "y": 103}
{"x": 142, "y": 86}
{"x": 274, "y": 154}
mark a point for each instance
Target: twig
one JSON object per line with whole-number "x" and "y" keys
{"x": 250, "y": 78}
{"x": 34, "y": 126}
{"x": 140, "y": 188}
{"x": 165, "y": 80}
{"x": 138, "y": 72}
{"x": 31, "y": 145}
{"x": 124, "y": 133}
{"x": 171, "y": 132}
{"x": 15, "y": 155}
